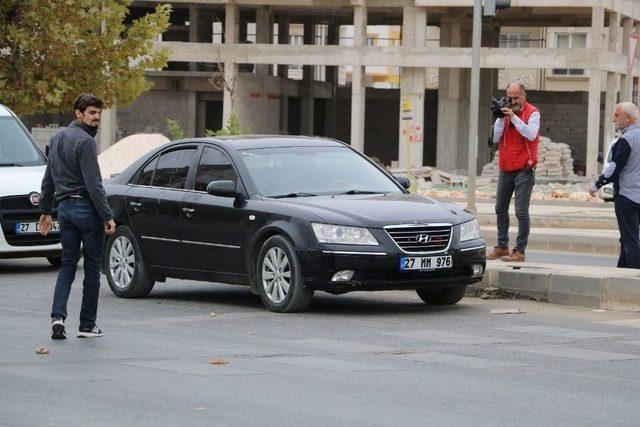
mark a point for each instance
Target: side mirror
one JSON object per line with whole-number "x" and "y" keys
{"x": 222, "y": 189}
{"x": 403, "y": 180}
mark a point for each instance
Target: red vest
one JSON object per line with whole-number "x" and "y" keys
{"x": 513, "y": 146}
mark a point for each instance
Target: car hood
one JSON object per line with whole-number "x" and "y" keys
{"x": 20, "y": 180}
{"x": 379, "y": 210}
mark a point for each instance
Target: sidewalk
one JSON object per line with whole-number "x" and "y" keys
{"x": 576, "y": 227}
{"x": 596, "y": 287}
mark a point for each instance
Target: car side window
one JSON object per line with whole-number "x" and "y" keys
{"x": 173, "y": 168}
{"x": 145, "y": 176}
{"x": 214, "y": 166}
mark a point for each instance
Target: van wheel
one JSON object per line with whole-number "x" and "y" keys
{"x": 446, "y": 296}
{"x": 124, "y": 266}
{"x": 280, "y": 277}
{"x": 56, "y": 261}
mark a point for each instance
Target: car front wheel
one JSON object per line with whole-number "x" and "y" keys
{"x": 55, "y": 261}
{"x": 124, "y": 266}
{"x": 280, "y": 277}
{"x": 445, "y": 296}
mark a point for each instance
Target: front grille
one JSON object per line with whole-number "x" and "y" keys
{"x": 16, "y": 203}
{"x": 421, "y": 238}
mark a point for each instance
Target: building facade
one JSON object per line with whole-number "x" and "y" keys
{"x": 390, "y": 77}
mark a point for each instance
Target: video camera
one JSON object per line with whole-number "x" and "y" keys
{"x": 497, "y": 106}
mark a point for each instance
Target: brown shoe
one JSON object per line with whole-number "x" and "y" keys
{"x": 515, "y": 256}
{"x": 498, "y": 253}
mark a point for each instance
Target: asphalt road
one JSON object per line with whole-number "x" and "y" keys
{"x": 358, "y": 359}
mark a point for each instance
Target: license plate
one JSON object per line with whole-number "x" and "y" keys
{"x": 34, "y": 228}
{"x": 423, "y": 263}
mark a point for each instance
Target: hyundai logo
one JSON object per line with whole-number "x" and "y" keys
{"x": 423, "y": 238}
{"x": 34, "y": 198}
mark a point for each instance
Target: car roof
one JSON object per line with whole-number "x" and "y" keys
{"x": 247, "y": 142}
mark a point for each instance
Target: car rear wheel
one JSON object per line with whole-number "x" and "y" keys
{"x": 446, "y": 296}
{"x": 124, "y": 265}
{"x": 280, "y": 277}
{"x": 56, "y": 261}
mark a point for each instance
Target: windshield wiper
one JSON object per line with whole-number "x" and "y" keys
{"x": 9, "y": 164}
{"x": 286, "y": 196}
{"x": 361, "y": 192}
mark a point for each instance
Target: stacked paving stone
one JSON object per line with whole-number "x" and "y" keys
{"x": 554, "y": 161}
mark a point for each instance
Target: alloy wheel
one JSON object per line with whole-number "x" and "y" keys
{"x": 276, "y": 274}
{"x": 122, "y": 262}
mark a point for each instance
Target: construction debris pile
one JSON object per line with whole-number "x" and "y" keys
{"x": 554, "y": 161}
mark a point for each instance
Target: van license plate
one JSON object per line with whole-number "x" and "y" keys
{"x": 33, "y": 227}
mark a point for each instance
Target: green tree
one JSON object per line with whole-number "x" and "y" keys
{"x": 52, "y": 50}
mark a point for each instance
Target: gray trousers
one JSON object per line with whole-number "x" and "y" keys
{"x": 521, "y": 182}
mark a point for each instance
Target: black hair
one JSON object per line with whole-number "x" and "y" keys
{"x": 86, "y": 100}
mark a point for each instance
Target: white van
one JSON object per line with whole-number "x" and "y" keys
{"x": 22, "y": 166}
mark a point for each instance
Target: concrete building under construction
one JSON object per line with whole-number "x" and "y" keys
{"x": 391, "y": 77}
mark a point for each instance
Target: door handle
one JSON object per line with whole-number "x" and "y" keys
{"x": 189, "y": 211}
{"x": 135, "y": 205}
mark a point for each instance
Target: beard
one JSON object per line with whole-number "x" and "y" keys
{"x": 516, "y": 108}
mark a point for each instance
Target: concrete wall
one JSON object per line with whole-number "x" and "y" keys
{"x": 149, "y": 113}
{"x": 257, "y": 102}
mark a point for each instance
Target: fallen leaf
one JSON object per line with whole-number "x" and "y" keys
{"x": 42, "y": 350}
{"x": 508, "y": 311}
{"x": 219, "y": 362}
{"x": 251, "y": 333}
{"x": 212, "y": 314}
{"x": 199, "y": 409}
{"x": 599, "y": 311}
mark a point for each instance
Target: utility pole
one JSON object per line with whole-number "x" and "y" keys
{"x": 473, "y": 107}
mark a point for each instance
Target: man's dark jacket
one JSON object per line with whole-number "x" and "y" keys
{"x": 72, "y": 170}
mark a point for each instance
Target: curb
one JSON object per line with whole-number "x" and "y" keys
{"x": 601, "y": 287}
{"x": 602, "y": 242}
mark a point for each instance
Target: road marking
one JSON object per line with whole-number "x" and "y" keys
{"x": 559, "y": 332}
{"x": 326, "y": 363}
{"x": 447, "y": 338}
{"x": 457, "y": 360}
{"x": 573, "y": 353}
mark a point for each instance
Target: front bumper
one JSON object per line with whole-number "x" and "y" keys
{"x": 382, "y": 271}
{"x": 33, "y": 245}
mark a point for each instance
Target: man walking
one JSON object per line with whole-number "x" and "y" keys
{"x": 73, "y": 178}
{"x": 624, "y": 171}
{"x": 517, "y": 134}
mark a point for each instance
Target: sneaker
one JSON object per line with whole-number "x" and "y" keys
{"x": 497, "y": 253}
{"x": 89, "y": 332}
{"x": 57, "y": 329}
{"x": 515, "y": 256}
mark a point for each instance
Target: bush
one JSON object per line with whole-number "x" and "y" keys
{"x": 174, "y": 130}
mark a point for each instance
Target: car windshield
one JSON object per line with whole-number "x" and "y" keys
{"x": 16, "y": 148}
{"x": 310, "y": 171}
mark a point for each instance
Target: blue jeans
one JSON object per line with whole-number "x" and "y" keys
{"x": 628, "y": 216}
{"x": 79, "y": 223}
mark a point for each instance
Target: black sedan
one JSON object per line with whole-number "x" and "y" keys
{"x": 286, "y": 216}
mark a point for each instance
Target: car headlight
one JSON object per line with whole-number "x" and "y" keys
{"x": 469, "y": 231}
{"x": 340, "y": 234}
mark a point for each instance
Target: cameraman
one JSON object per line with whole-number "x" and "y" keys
{"x": 517, "y": 131}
